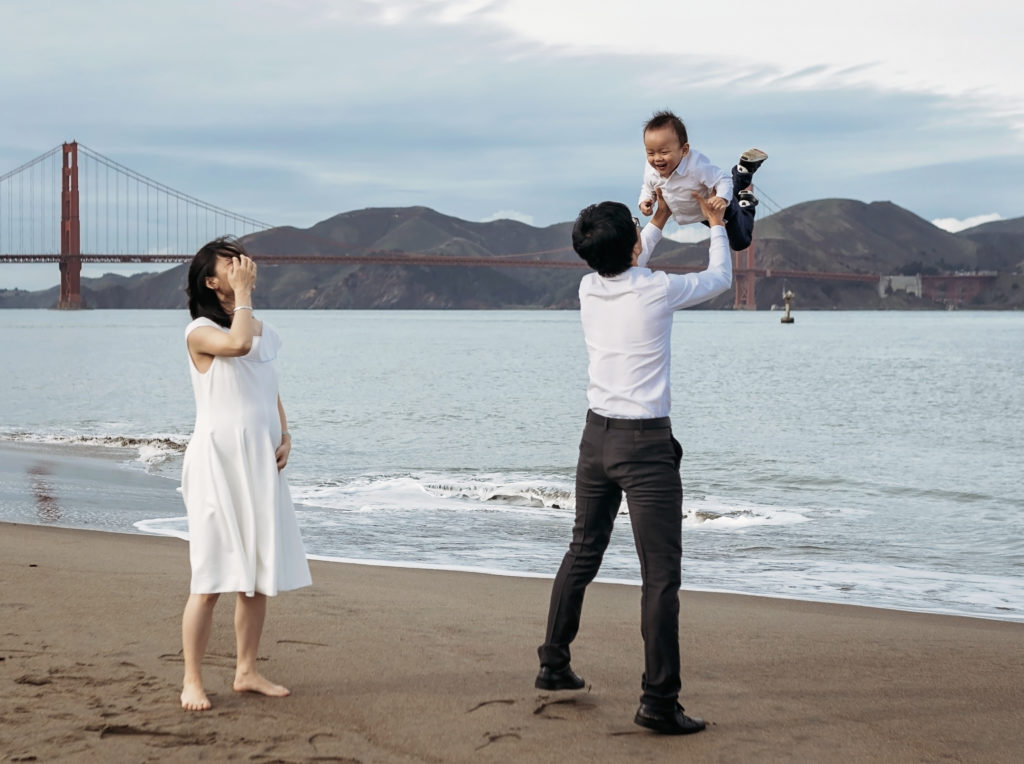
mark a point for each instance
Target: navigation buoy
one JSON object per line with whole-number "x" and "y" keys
{"x": 788, "y": 297}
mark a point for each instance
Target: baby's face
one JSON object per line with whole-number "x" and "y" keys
{"x": 664, "y": 151}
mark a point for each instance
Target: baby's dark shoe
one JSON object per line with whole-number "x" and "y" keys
{"x": 750, "y": 160}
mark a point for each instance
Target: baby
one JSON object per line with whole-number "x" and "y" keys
{"x": 679, "y": 171}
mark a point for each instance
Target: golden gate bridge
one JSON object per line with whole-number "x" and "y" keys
{"x": 73, "y": 205}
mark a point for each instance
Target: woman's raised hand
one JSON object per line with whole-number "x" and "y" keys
{"x": 242, "y": 274}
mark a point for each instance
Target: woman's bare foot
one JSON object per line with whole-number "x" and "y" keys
{"x": 193, "y": 698}
{"x": 255, "y": 682}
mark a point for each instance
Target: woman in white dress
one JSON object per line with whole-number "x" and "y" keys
{"x": 243, "y": 535}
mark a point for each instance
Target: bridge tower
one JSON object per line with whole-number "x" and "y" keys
{"x": 743, "y": 273}
{"x": 70, "y": 233}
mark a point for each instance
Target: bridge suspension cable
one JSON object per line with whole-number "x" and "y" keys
{"x": 765, "y": 198}
{"x": 120, "y": 211}
{"x": 30, "y": 206}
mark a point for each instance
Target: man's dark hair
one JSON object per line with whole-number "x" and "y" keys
{"x": 604, "y": 236}
{"x": 667, "y": 119}
{"x": 203, "y": 301}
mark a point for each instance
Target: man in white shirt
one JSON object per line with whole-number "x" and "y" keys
{"x": 627, "y": 444}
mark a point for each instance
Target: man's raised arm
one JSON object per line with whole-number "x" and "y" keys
{"x": 651, "y": 233}
{"x": 694, "y": 288}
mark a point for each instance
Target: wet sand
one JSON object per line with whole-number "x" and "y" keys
{"x": 399, "y": 665}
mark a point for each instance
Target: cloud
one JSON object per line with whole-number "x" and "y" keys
{"x": 953, "y": 225}
{"x": 811, "y": 45}
{"x": 307, "y": 109}
{"x": 687, "y": 234}
{"x": 522, "y": 217}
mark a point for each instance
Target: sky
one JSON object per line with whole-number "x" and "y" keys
{"x": 291, "y": 111}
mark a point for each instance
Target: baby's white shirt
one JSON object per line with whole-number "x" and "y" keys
{"x": 694, "y": 173}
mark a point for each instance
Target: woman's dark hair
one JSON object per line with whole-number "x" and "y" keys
{"x": 604, "y": 235}
{"x": 203, "y": 301}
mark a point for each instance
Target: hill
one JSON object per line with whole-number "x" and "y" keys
{"x": 999, "y": 244}
{"x": 829, "y": 235}
{"x": 847, "y": 236}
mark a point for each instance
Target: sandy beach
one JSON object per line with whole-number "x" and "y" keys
{"x": 400, "y": 665}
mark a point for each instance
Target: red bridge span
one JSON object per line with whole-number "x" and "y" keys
{"x": 130, "y": 218}
{"x": 390, "y": 257}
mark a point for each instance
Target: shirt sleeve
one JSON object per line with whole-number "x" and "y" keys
{"x": 686, "y": 289}
{"x": 648, "y": 186}
{"x": 650, "y": 235}
{"x": 712, "y": 176}
{"x": 723, "y": 188}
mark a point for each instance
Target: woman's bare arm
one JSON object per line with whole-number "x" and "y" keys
{"x": 285, "y": 449}
{"x": 206, "y": 342}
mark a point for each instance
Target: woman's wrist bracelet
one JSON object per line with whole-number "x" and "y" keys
{"x": 285, "y": 433}
{"x": 241, "y": 307}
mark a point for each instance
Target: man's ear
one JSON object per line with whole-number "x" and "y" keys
{"x": 686, "y": 149}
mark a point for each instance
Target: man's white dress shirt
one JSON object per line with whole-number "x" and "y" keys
{"x": 694, "y": 173}
{"x": 627, "y": 325}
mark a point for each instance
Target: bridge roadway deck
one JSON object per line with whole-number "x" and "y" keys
{"x": 398, "y": 258}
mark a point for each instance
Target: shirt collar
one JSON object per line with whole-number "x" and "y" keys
{"x": 624, "y": 276}
{"x": 684, "y": 164}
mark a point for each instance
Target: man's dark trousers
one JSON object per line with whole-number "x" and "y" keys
{"x": 640, "y": 457}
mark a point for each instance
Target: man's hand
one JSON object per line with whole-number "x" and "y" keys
{"x": 647, "y": 207}
{"x": 718, "y": 203}
{"x": 713, "y": 208}
{"x": 661, "y": 213}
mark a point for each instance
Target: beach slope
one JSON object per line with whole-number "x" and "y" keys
{"x": 401, "y": 665}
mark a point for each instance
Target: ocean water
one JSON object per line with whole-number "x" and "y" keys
{"x": 854, "y": 457}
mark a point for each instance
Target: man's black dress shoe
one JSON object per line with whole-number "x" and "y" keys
{"x": 563, "y": 679}
{"x": 667, "y": 722}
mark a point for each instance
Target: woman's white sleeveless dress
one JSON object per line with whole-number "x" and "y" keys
{"x": 243, "y": 535}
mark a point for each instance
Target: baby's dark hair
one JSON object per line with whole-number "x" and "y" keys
{"x": 604, "y": 235}
{"x": 667, "y": 119}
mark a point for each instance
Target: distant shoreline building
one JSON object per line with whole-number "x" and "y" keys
{"x": 950, "y": 288}
{"x": 889, "y": 284}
